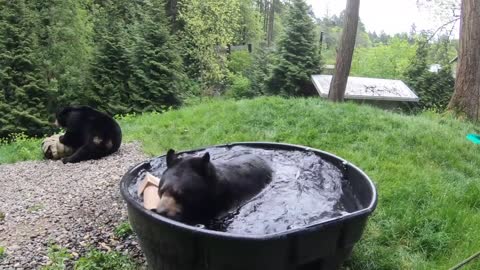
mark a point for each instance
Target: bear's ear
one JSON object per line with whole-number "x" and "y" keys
{"x": 206, "y": 158}
{"x": 205, "y": 168}
{"x": 59, "y": 112}
{"x": 171, "y": 158}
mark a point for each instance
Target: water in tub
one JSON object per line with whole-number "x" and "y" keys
{"x": 305, "y": 190}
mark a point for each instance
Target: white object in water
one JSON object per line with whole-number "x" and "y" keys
{"x": 149, "y": 188}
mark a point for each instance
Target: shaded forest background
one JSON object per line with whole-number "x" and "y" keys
{"x": 148, "y": 55}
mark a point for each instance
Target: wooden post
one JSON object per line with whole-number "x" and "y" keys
{"x": 321, "y": 43}
{"x": 345, "y": 53}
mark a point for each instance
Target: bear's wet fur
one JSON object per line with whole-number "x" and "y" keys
{"x": 91, "y": 133}
{"x": 195, "y": 189}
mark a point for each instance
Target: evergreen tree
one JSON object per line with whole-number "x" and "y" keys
{"x": 24, "y": 99}
{"x": 433, "y": 89}
{"x": 109, "y": 83}
{"x": 136, "y": 63}
{"x": 260, "y": 71}
{"x": 64, "y": 32}
{"x": 157, "y": 63}
{"x": 298, "y": 56}
{"x": 418, "y": 64}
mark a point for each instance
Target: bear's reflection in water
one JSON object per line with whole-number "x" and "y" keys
{"x": 305, "y": 189}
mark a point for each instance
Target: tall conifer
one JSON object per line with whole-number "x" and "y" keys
{"x": 298, "y": 56}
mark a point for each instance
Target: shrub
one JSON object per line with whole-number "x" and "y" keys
{"x": 58, "y": 257}
{"x": 240, "y": 87}
{"x": 433, "y": 89}
{"x": 239, "y": 62}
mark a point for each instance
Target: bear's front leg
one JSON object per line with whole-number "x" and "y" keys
{"x": 70, "y": 139}
{"x": 64, "y": 139}
{"x": 82, "y": 153}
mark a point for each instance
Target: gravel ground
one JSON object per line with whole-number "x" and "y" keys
{"x": 74, "y": 205}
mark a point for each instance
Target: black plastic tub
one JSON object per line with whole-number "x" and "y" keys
{"x": 168, "y": 244}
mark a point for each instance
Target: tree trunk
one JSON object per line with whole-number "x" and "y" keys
{"x": 271, "y": 18}
{"x": 345, "y": 53}
{"x": 265, "y": 17}
{"x": 172, "y": 11}
{"x": 466, "y": 97}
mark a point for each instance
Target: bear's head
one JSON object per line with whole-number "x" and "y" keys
{"x": 71, "y": 114}
{"x": 61, "y": 116}
{"x": 187, "y": 188}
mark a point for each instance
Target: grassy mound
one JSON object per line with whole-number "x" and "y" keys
{"x": 425, "y": 170}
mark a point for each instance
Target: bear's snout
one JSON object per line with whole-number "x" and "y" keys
{"x": 169, "y": 207}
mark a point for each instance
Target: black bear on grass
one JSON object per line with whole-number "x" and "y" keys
{"x": 195, "y": 190}
{"x": 91, "y": 133}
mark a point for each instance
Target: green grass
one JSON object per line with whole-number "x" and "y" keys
{"x": 123, "y": 230}
{"x": 22, "y": 149}
{"x": 425, "y": 171}
{"x": 57, "y": 256}
{"x": 96, "y": 259}
{"x": 2, "y": 252}
{"x": 93, "y": 260}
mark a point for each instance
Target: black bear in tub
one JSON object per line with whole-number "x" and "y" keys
{"x": 195, "y": 189}
{"x": 173, "y": 243}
